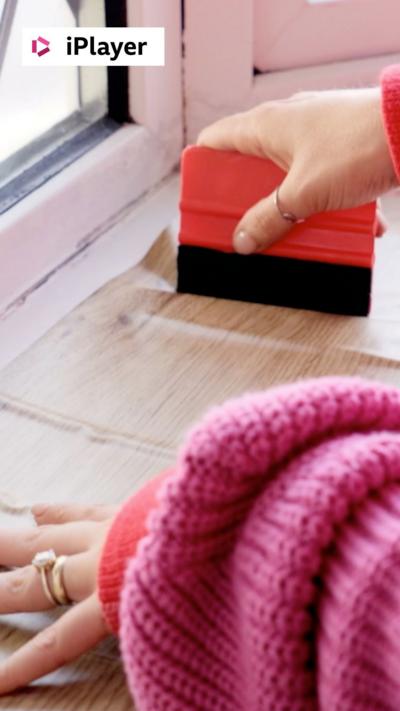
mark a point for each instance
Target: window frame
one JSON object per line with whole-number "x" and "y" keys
{"x": 65, "y": 142}
{"x": 278, "y": 35}
{"x": 220, "y": 77}
{"x": 55, "y": 221}
{"x": 6, "y": 20}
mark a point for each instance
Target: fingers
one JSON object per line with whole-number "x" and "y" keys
{"x": 259, "y": 132}
{"x": 228, "y": 134}
{"x": 382, "y": 224}
{"x": 263, "y": 224}
{"x": 80, "y": 574}
{"x": 21, "y": 590}
{"x": 255, "y": 132}
{"x": 67, "y": 513}
{"x": 18, "y": 549}
{"x": 80, "y": 629}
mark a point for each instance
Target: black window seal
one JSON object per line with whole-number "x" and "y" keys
{"x": 49, "y": 165}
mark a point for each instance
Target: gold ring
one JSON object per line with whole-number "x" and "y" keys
{"x": 288, "y": 216}
{"x": 59, "y": 591}
{"x": 44, "y": 562}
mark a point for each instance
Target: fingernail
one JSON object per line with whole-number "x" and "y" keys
{"x": 244, "y": 243}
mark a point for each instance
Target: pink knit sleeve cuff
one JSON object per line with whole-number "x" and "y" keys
{"x": 127, "y": 529}
{"x": 390, "y": 83}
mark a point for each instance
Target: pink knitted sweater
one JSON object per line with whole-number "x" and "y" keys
{"x": 270, "y": 577}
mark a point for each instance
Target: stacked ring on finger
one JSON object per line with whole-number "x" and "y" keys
{"x": 47, "y": 562}
{"x": 288, "y": 216}
{"x": 59, "y": 590}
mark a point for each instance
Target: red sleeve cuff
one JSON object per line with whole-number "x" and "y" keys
{"x": 390, "y": 83}
{"x": 127, "y": 529}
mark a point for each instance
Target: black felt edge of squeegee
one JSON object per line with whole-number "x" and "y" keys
{"x": 279, "y": 281}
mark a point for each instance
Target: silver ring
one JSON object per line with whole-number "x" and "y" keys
{"x": 288, "y": 216}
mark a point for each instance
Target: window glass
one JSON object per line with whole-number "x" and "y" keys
{"x": 41, "y": 107}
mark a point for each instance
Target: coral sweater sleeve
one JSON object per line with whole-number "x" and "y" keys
{"x": 390, "y": 83}
{"x": 127, "y": 529}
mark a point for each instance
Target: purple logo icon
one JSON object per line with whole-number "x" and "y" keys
{"x": 42, "y": 41}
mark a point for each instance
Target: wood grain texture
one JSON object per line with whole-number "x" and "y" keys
{"x": 100, "y": 404}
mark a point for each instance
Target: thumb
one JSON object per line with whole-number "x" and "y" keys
{"x": 264, "y": 224}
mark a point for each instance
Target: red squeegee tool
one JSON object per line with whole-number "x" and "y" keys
{"x": 324, "y": 264}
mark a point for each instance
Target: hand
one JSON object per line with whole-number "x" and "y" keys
{"x": 78, "y": 533}
{"x": 331, "y": 144}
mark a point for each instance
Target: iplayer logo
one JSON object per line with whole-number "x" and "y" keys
{"x": 45, "y": 46}
{"x": 92, "y": 46}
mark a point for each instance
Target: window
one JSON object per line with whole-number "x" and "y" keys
{"x": 52, "y": 111}
{"x": 95, "y": 192}
{"x": 298, "y": 33}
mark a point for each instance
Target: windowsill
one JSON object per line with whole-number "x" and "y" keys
{"x": 31, "y": 168}
{"x": 71, "y": 210}
{"x": 121, "y": 246}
